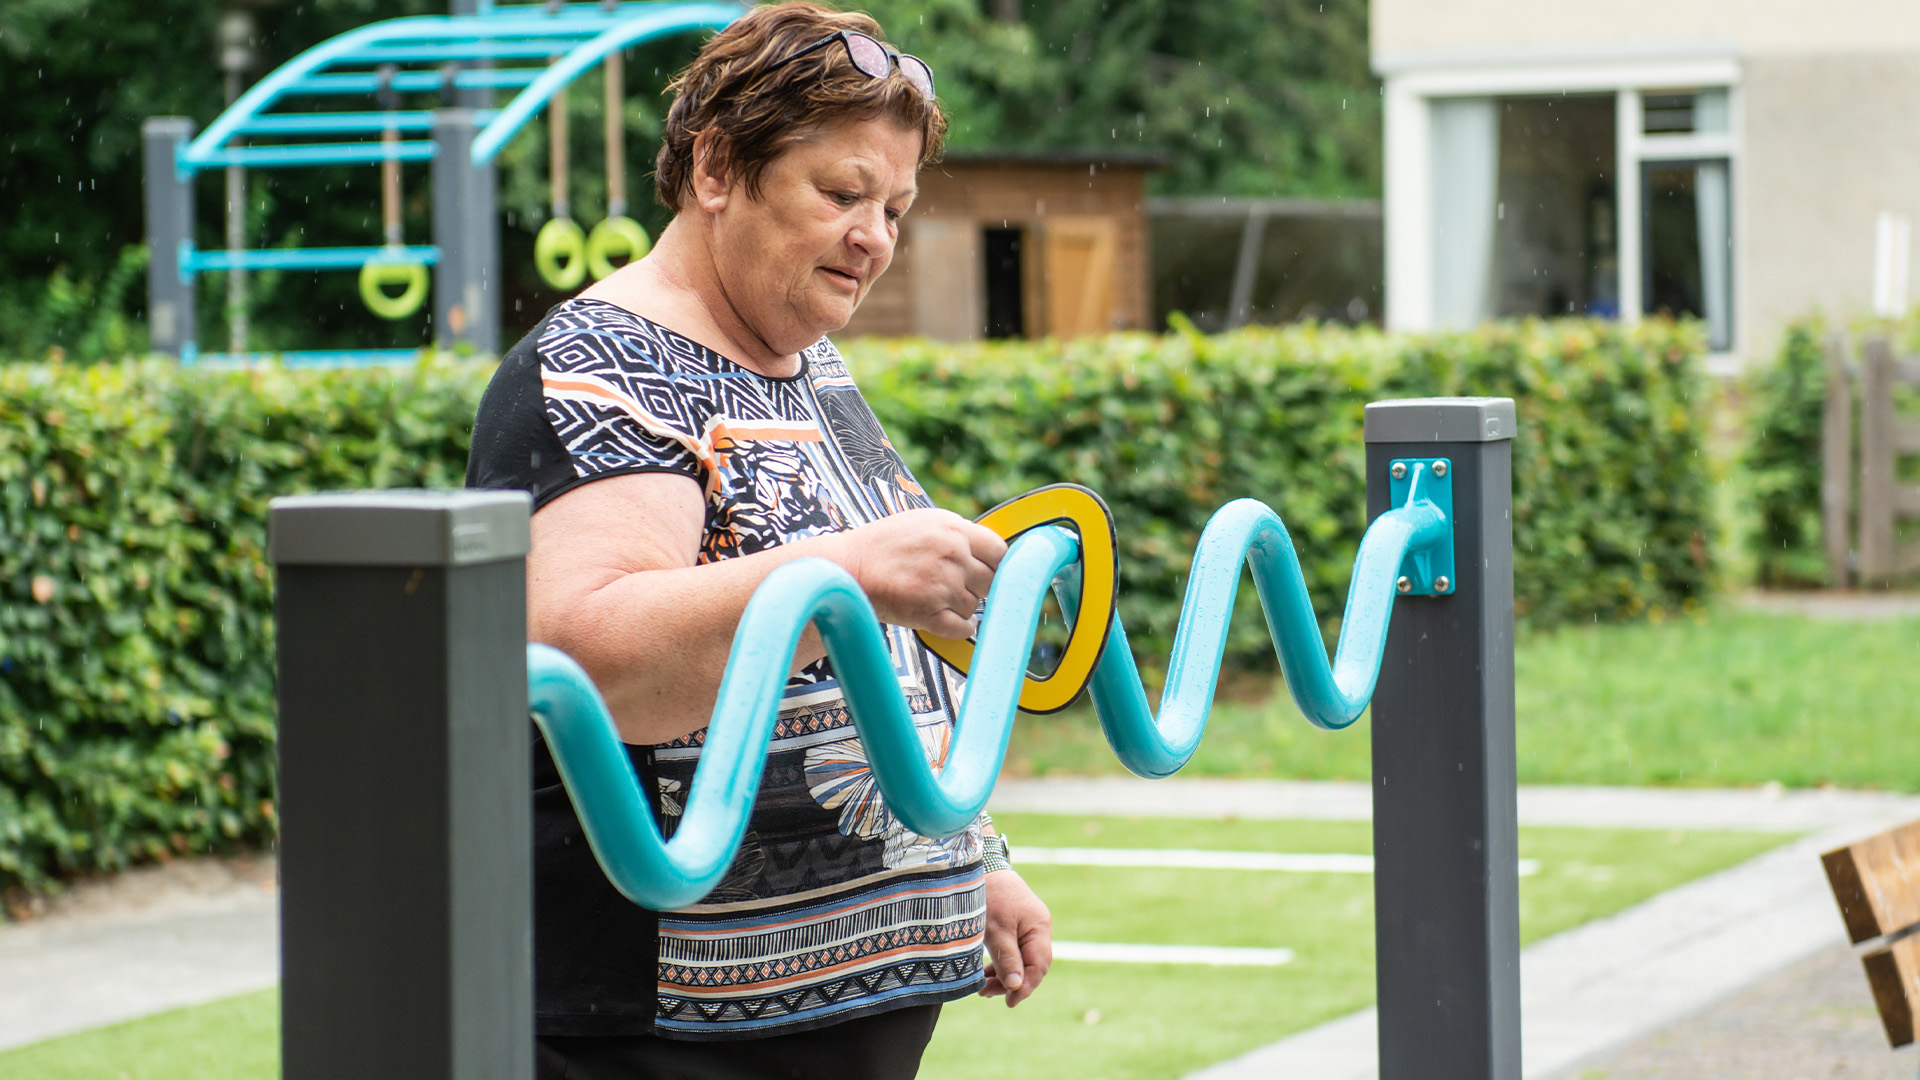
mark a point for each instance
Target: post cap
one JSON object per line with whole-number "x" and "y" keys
{"x": 1441, "y": 419}
{"x": 399, "y": 527}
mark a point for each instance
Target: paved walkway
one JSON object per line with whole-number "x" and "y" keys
{"x": 1845, "y": 604}
{"x": 155, "y": 939}
{"x": 1813, "y": 1020}
{"x": 1587, "y": 993}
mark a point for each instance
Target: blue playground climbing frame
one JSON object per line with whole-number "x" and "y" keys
{"x": 536, "y": 50}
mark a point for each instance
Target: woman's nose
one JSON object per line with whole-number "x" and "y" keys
{"x": 872, "y": 233}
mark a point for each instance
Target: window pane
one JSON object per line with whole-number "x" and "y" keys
{"x": 1685, "y": 112}
{"x": 1466, "y": 158}
{"x": 1555, "y": 247}
{"x": 1688, "y": 245}
{"x": 1667, "y": 114}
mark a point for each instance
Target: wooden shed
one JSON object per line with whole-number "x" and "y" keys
{"x": 1019, "y": 244}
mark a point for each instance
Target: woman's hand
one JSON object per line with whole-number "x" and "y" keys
{"x": 924, "y": 569}
{"x": 1019, "y": 938}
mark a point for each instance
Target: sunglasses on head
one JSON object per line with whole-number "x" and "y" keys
{"x": 871, "y": 58}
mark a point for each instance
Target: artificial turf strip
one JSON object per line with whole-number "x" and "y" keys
{"x": 1097, "y": 1020}
{"x": 1733, "y": 698}
{"x": 237, "y": 1038}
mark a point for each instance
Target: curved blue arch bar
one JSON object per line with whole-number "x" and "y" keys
{"x": 580, "y": 35}
{"x": 666, "y": 874}
{"x": 671, "y": 19}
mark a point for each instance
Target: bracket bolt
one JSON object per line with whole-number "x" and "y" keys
{"x": 1399, "y": 470}
{"x": 1439, "y": 468}
{"x": 1442, "y": 584}
{"x": 1405, "y": 585}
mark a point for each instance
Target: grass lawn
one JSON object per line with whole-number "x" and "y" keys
{"x": 1734, "y": 698}
{"x": 235, "y": 1039}
{"x": 1108, "y": 1021}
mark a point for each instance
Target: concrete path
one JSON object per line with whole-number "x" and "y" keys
{"x": 156, "y": 939}
{"x": 1586, "y": 991}
{"x": 1814, "y": 1019}
{"x": 1593, "y": 989}
{"x": 1843, "y": 604}
{"x": 1768, "y": 809}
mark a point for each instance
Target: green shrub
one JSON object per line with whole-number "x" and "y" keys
{"x": 136, "y": 633}
{"x": 136, "y": 639}
{"x": 1782, "y": 460}
{"x": 1611, "y": 508}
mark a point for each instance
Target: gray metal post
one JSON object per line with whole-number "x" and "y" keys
{"x": 1445, "y": 843}
{"x": 466, "y": 229}
{"x": 406, "y": 893}
{"x": 170, "y": 298}
{"x": 472, "y": 97}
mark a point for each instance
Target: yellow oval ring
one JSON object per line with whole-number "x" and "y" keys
{"x": 560, "y": 253}
{"x": 1099, "y": 589}
{"x": 616, "y": 236}
{"x": 383, "y": 270}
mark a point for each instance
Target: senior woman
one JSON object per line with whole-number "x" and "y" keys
{"x": 685, "y": 426}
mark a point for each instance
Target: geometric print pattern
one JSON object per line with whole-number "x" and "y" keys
{"x": 828, "y": 912}
{"x": 920, "y": 944}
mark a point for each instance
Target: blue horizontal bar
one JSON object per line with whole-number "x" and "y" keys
{"x": 340, "y": 258}
{"x": 312, "y": 358}
{"x": 291, "y": 157}
{"x": 318, "y": 123}
{"x": 434, "y": 53}
{"x": 414, "y": 82}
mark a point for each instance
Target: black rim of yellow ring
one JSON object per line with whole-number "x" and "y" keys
{"x": 1099, "y": 590}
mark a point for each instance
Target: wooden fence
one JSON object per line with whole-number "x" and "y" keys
{"x": 1885, "y": 436}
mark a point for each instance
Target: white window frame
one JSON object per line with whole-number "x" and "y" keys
{"x": 1412, "y": 84}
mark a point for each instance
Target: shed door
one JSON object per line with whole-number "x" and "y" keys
{"x": 1079, "y": 274}
{"x": 946, "y": 262}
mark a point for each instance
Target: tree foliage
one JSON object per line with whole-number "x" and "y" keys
{"x": 1251, "y": 97}
{"x": 1243, "y": 97}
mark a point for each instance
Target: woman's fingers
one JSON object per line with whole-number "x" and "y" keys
{"x": 1006, "y": 969}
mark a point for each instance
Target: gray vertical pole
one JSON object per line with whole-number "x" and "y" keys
{"x": 406, "y": 898}
{"x": 1445, "y": 843}
{"x": 472, "y": 97}
{"x": 466, "y": 229}
{"x": 170, "y": 314}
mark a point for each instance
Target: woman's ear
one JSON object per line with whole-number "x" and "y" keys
{"x": 711, "y": 184}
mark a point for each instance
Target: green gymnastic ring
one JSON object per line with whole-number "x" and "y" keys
{"x": 616, "y": 236}
{"x": 560, "y": 251}
{"x": 381, "y": 271}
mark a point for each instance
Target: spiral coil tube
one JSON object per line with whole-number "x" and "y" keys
{"x": 664, "y": 875}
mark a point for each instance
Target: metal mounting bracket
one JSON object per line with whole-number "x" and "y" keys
{"x": 1426, "y": 571}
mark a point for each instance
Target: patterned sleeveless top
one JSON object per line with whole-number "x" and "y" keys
{"x": 832, "y": 909}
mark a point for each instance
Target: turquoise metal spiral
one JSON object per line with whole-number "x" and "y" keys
{"x": 664, "y": 875}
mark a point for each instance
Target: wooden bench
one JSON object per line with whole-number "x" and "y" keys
{"x": 1877, "y": 884}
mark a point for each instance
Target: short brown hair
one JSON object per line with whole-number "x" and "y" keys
{"x": 755, "y": 114}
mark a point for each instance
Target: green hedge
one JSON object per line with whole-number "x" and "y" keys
{"x": 136, "y": 634}
{"x": 1611, "y": 508}
{"x": 1782, "y": 460}
{"x": 136, "y": 642}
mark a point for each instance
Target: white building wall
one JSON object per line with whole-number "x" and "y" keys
{"x": 1405, "y": 28}
{"x": 1831, "y": 141}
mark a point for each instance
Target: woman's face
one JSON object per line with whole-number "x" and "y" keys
{"x": 795, "y": 262}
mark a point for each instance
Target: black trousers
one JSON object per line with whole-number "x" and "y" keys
{"x": 886, "y": 1046}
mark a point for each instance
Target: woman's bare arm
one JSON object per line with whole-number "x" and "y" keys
{"x": 612, "y": 581}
